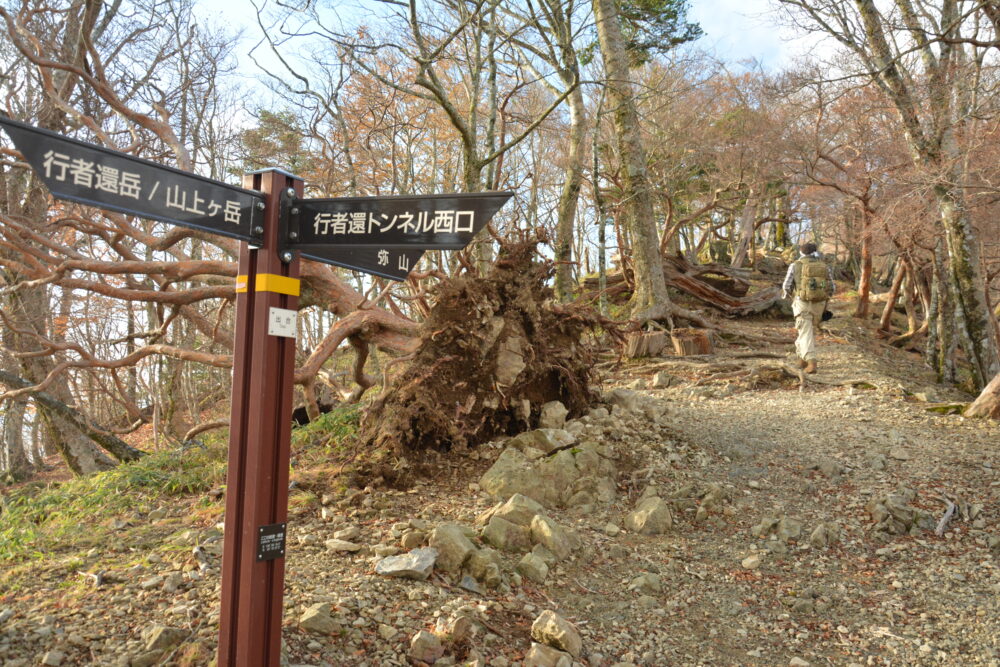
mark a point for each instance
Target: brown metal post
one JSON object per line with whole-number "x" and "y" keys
{"x": 259, "y": 440}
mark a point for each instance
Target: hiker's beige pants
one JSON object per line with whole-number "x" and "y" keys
{"x": 808, "y": 315}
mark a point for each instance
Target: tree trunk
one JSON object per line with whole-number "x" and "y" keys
{"x": 14, "y": 460}
{"x": 568, "y": 198}
{"x": 650, "y": 299}
{"x": 988, "y": 403}
{"x": 885, "y": 323}
{"x": 972, "y": 315}
{"x": 746, "y": 231}
{"x": 865, "y": 279}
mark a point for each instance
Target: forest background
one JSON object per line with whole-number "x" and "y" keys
{"x": 625, "y": 142}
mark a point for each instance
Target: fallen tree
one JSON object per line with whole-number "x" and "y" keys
{"x": 721, "y": 287}
{"x": 493, "y": 351}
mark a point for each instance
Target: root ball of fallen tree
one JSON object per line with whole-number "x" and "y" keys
{"x": 494, "y": 350}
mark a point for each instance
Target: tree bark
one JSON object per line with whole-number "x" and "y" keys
{"x": 569, "y": 196}
{"x": 885, "y": 323}
{"x": 650, "y": 299}
{"x": 988, "y": 403}
{"x": 66, "y": 416}
{"x": 971, "y": 313}
{"x": 865, "y": 279}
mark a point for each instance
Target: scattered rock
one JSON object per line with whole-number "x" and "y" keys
{"x": 533, "y": 568}
{"x": 900, "y": 454}
{"x": 553, "y": 415}
{"x": 53, "y": 658}
{"x": 751, "y": 562}
{"x": 552, "y": 536}
{"x": 317, "y": 620}
{"x": 485, "y": 566}
{"x": 544, "y": 439}
{"x": 519, "y": 509}
{"x": 161, "y": 637}
{"x": 894, "y": 515}
{"x": 540, "y": 655}
{"x": 347, "y": 534}
{"x": 825, "y": 534}
{"x": 553, "y": 630}
{"x": 647, "y": 584}
{"x": 416, "y": 564}
{"x": 342, "y": 546}
{"x": 452, "y": 545}
{"x": 426, "y": 647}
{"x": 651, "y": 517}
{"x": 662, "y": 380}
{"x": 454, "y": 628}
{"x": 506, "y": 535}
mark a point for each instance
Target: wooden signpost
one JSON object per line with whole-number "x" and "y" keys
{"x": 383, "y": 236}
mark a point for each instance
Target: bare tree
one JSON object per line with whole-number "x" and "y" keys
{"x": 916, "y": 52}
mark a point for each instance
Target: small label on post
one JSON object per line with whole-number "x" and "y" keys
{"x": 271, "y": 541}
{"x": 281, "y": 322}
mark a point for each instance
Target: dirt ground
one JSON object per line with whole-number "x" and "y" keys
{"x": 823, "y": 551}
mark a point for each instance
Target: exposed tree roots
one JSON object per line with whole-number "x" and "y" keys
{"x": 493, "y": 351}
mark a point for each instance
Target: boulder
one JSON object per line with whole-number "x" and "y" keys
{"x": 554, "y": 479}
{"x": 553, "y": 415}
{"x": 552, "y": 536}
{"x": 416, "y": 564}
{"x": 486, "y": 567}
{"x": 519, "y": 509}
{"x": 506, "y": 535}
{"x": 651, "y": 517}
{"x": 452, "y": 545}
{"x": 532, "y": 567}
{"x": 553, "y": 630}
{"x": 512, "y": 473}
{"x": 545, "y": 555}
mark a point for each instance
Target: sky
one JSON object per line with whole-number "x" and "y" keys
{"x": 737, "y": 30}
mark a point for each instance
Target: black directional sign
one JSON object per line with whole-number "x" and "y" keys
{"x": 394, "y": 263}
{"x": 97, "y": 176}
{"x": 431, "y": 222}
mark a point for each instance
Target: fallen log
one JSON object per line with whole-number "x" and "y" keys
{"x": 691, "y": 284}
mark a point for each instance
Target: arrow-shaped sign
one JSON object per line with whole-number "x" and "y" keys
{"x": 97, "y": 176}
{"x": 430, "y": 222}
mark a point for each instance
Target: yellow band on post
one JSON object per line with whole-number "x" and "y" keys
{"x": 271, "y": 282}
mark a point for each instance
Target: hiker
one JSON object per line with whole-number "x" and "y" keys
{"x": 810, "y": 281}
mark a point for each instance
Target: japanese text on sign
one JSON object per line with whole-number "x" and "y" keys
{"x": 87, "y": 174}
{"x": 438, "y": 222}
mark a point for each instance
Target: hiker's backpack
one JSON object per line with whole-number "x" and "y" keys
{"x": 811, "y": 280}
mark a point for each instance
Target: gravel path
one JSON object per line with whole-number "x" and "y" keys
{"x": 818, "y": 546}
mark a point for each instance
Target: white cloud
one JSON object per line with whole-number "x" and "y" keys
{"x": 737, "y": 30}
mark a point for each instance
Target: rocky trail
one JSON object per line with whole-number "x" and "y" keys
{"x": 714, "y": 511}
